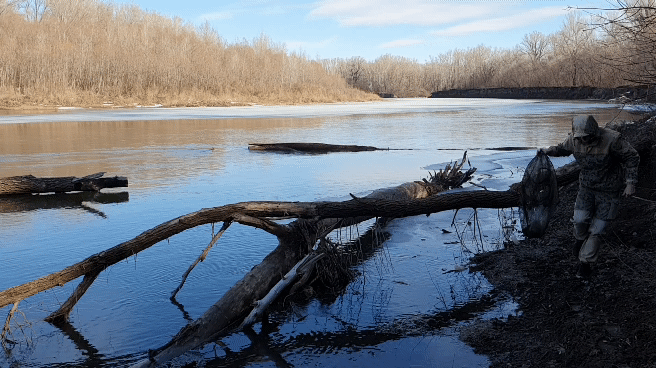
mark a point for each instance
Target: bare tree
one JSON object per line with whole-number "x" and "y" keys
{"x": 67, "y": 11}
{"x": 535, "y": 46}
{"x": 7, "y": 5}
{"x": 355, "y": 69}
{"x": 631, "y": 27}
{"x": 572, "y": 43}
{"x": 33, "y": 9}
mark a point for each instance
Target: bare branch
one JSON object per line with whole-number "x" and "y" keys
{"x": 61, "y": 314}
{"x": 7, "y": 328}
{"x": 264, "y": 224}
{"x": 202, "y": 257}
{"x": 302, "y": 267}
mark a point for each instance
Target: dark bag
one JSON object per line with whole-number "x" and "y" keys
{"x": 539, "y": 196}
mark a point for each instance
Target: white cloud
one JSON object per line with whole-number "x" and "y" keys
{"x": 222, "y": 15}
{"x": 503, "y": 23}
{"x": 401, "y": 43}
{"x": 395, "y": 12}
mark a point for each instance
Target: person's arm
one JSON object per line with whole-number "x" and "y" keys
{"x": 630, "y": 159}
{"x": 562, "y": 149}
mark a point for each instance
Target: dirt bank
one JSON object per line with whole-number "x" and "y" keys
{"x": 609, "y": 321}
{"x": 558, "y": 93}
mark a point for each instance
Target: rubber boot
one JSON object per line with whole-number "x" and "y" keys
{"x": 584, "y": 271}
{"x": 576, "y": 248}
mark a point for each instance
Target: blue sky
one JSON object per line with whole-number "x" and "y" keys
{"x": 416, "y": 29}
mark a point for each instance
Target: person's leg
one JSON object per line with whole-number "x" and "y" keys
{"x": 605, "y": 210}
{"x": 583, "y": 209}
{"x": 590, "y": 248}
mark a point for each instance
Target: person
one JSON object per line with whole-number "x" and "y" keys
{"x": 609, "y": 168}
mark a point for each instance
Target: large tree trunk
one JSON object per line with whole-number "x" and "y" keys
{"x": 255, "y": 214}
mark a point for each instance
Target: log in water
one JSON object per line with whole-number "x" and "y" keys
{"x": 309, "y": 147}
{"x": 31, "y": 184}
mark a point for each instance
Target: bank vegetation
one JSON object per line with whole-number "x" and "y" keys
{"x": 603, "y": 48}
{"x": 92, "y": 52}
{"x": 86, "y": 52}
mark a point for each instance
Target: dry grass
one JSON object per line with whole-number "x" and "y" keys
{"x": 88, "y": 52}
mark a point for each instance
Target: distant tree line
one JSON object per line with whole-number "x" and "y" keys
{"x": 72, "y": 52}
{"x": 86, "y": 51}
{"x": 595, "y": 47}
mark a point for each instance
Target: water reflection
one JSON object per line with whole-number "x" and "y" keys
{"x": 93, "y": 358}
{"x": 66, "y": 137}
{"x": 77, "y": 200}
{"x": 273, "y": 343}
{"x": 148, "y": 151}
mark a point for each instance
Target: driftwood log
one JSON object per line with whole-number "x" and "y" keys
{"x": 30, "y": 184}
{"x": 309, "y": 147}
{"x": 315, "y": 220}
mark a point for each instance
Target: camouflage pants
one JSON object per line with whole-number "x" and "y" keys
{"x": 592, "y": 212}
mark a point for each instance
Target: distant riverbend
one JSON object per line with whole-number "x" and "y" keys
{"x": 556, "y": 93}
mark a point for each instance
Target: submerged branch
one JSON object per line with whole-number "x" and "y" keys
{"x": 100, "y": 261}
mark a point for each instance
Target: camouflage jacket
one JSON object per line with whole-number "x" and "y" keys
{"x": 606, "y": 165}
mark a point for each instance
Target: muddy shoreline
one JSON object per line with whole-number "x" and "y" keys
{"x": 608, "y": 321}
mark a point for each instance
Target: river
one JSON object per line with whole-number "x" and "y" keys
{"x": 180, "y": 160}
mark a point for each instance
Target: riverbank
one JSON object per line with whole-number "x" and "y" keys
{"x": 11, "y": 102}
{"x": 620, "y": 94}
{"x": 608, "y": 321}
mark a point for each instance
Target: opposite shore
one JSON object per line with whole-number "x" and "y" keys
{"x": 621, "y": 95}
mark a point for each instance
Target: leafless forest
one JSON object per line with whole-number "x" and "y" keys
{"x": 595, "y": 47}
{"x": 92, "y": 51}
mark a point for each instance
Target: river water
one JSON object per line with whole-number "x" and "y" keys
{"x": 181, "y": 160}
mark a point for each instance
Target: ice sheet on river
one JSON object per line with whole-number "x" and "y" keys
{"x": 394, "y": 106}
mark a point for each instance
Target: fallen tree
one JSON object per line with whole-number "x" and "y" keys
{"x": 306, "y": 235}
{"x": 31, "y": 184}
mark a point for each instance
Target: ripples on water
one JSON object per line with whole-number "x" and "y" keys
{"x": 188, "y": 159}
